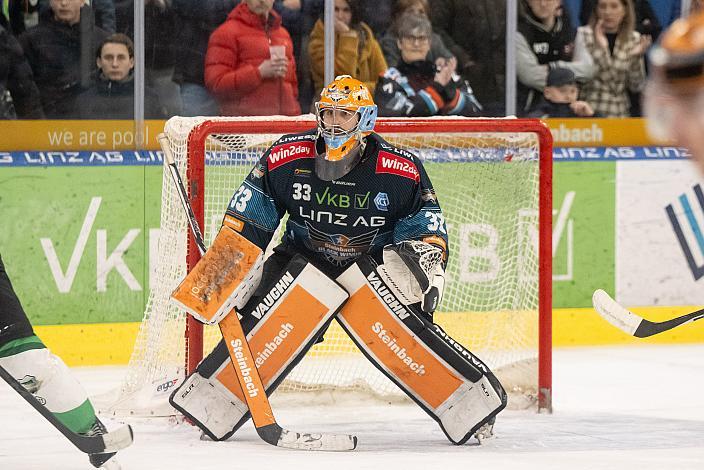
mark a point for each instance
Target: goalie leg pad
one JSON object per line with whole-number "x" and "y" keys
{"x": 208, "y": 402}
{"x": 450, "y": 383}
{"x": 282, "y": 322}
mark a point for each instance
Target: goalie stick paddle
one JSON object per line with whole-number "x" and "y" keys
{"x": 243, "y": 359}
{"x": 98, "y": 444}
{"x": 633, "y": 324}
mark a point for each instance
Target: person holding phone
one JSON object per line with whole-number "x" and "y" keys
{"x": 617, "y": 50}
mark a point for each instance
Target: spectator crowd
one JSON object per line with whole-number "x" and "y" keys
{"x": 74, "y": 59}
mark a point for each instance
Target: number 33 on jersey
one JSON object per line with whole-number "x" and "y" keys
{"x": 385, "y": 199}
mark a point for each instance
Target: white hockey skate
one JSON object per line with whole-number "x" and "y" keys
{"x": 486, "y": 431}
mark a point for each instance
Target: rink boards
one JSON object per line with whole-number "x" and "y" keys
{"x": 85, "y": 344}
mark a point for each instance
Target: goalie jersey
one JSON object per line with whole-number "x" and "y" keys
{"x": 385, "y": 199}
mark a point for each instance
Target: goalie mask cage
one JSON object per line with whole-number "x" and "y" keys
{"x": 493, "y": 179}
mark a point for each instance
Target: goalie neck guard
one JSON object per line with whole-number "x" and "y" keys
{"x": 346, "y": 114}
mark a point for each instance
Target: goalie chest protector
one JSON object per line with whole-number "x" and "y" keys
{"x": 335, "y": 222}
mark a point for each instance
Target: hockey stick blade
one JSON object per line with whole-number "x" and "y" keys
{"x": 99, "y": 444}
{"x": 260, "y": 409}
{"x": 633, "y": 324}
{"x": 258, "y": 403}
{"x": 307, "y": 441}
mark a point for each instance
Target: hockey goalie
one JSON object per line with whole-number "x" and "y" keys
{"x": 365, "y": 243}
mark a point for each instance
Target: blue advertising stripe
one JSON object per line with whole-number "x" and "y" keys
{"x": 692, "y": 221}
{"x": 36, "y": 158}
{"x": 434, "y": 155}
{"x": 610, "y": 154}
{"x": 80, "y": 158}
{"x": 697, "y": 271}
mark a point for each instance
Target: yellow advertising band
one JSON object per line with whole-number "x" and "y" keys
{"x": 112, "y": 343}
{"x": 72, "y": 135}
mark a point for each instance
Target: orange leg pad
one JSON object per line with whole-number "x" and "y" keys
{"x": 451, "y": 384}
{"x": 282, "y": 325}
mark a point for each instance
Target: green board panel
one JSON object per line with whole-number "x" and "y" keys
{"x": 74, "y": 240}
{"x": 583, "y": 231}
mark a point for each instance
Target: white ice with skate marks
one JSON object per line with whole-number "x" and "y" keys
{"x": 624, "y": 408}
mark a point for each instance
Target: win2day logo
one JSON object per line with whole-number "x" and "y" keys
{"x": 687, "y": 228}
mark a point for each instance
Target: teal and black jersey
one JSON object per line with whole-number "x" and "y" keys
{"x": 385, "y": 199}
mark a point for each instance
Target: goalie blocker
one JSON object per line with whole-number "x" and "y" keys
{"x": 222, "y": 280}
{"x": 453, "y": 386}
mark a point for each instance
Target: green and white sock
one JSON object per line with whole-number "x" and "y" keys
{"x": 47, "y": 377}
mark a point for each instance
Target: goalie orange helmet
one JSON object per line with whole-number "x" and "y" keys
{"x": 345, "y": 113}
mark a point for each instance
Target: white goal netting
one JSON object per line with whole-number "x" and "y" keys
{"x": 487, "y": 175}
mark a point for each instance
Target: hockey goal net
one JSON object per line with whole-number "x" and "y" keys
{"x": 493, "y": 181}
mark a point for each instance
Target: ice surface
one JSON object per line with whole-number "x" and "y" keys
{"x": 614, "y": 408}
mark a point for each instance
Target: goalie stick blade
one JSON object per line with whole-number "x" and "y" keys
{"x": 611, "y": 311}
{"x": 633, "y": 324}
{"x": 275, "y": 435}
{"x": 99, "y": 444}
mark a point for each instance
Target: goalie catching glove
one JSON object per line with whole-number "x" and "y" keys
{"x": 413, "y": 271}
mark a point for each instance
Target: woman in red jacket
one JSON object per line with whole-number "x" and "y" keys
{"x": 245, "y": 77}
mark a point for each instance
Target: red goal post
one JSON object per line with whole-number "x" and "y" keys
{"x": 196, "y": 176}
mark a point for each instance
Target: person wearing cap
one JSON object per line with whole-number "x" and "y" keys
{"x": 674, "y": 94}
{"x": 545, "y": 40}
{"x": 560, "y": 97}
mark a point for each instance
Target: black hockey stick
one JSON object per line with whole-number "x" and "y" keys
{"x": 259, "y": 407}
{"x": 98, "y": 444}
{"x": 633, "y": 324}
